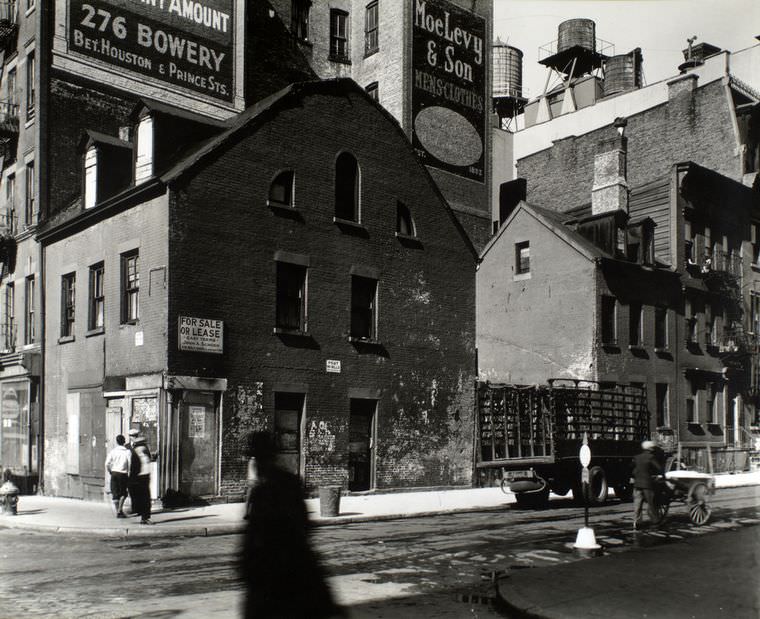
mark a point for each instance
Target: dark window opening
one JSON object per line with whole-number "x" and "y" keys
{"x": 661, "y": 395}
{"x": 609, "y": 320}
{"x": 372, "y": 91}
{"x": 338, "y": 35}
{"x": 10, "y": 317}
{"x": 522, "y": 257}
{"x": 363, "y": 308}
{"x": 299, "y": 19}
{"x": 97, "y": 298}
{"x": 130, "y": 288}
{"x": 347, "y": 187}
{"x": 371, "y": 40}
{"x": 635, "y": 324}
{"x": 291, "y": 297}
{"x": 404, "y": 222}
{"x": 281, "y": 189}
{"x": 68, "y": 298}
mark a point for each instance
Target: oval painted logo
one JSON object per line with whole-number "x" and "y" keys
{"x": 448, "y": 136}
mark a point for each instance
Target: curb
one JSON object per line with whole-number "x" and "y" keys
{"x": 222, "y": 529}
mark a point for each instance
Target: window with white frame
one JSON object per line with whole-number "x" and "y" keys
{"x": 68, "y": 304}
{"x": 130, "y": 287}
{"x": 371, "y": 38}
{"x": 30, "y": 336}
{"x": 339, "y": 35}
{"x": 96, "y": 318}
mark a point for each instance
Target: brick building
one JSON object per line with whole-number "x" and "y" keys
{"x": 298, "y": 270}
{"x": 384, "y": 46}
{"x": 680, "y": 321}
{"x": 20, "y": 325}
{"x": 707, "y": 114}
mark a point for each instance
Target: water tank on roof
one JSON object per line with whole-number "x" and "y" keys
{"x": 507, "y": 70}
{"x": 579, "y": 32}
{"x": 622, "y": 72}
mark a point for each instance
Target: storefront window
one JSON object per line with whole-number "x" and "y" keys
{"x": 14, "y": 433}
{"x": 145, "y": 418}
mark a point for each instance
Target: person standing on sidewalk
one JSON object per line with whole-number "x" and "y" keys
{"x": 139, "y": 477}
{"x": 645, "y": 468}
{"x": 117, "y": 465}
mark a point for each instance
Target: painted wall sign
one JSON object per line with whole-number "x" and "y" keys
{"x": 186, "y": 43}
{"x": 449, "y": 56}
{"x": 200, "y": 334}
{"x": 333, "y": 366}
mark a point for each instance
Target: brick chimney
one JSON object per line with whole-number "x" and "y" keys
{"x": 610, "y": 190}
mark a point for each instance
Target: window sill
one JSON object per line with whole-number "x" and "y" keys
{"x": 295, "y": 332}
{"x": 339, "y": 59}
{"x": 409, "y": 240}
{"x": 363, "y": 340}
{"x": 98, "y": 331}
{"x": 66, "y": 339}
{"x": 636, "y": 347}
{"x": 273, "y": 204}
{"x": 371, "y": 52}
{"x": 661, "y": 350}
{"x": 520, "y": 276}
{"x": 351, "y": 227}
{"x": 129, "y": 323}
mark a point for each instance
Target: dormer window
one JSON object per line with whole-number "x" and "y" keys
{"x": 91, "y": 177}
{"x": 144, "y": 158}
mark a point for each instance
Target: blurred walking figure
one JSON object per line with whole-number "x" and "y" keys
{"x": 282, "y": 574}
{"x": 139, "y": 477}
{"x": 251, "y": 476}
{"x": 646, "y": 468}
{"x": 117, "y": 465}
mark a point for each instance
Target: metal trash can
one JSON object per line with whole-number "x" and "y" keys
{"x": 329, "y": 501}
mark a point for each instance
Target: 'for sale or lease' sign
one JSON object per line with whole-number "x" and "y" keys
{"x": 201, "y": 334}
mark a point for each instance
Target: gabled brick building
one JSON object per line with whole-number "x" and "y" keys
{"x": 298, "y": 271}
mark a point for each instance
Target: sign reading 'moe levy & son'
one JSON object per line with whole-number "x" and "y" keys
{"x": 449, "y": 80}
{"x": 186, "y": 43}
{"x": 200, "y": 334}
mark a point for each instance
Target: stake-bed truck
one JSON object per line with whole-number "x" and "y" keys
{"x": 531, "y": 435}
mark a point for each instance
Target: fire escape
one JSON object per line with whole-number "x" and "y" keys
{"x": 9, "y": 131}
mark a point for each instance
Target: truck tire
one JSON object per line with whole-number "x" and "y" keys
{"x": 532, "y": 500}
{"x": 597, "y": 486}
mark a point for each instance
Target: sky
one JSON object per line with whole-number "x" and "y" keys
{"x": 659, "y": 27}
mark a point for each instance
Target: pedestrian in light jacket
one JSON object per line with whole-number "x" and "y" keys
{"x": 117, "y": 464}
{"x": 139, "y": 477}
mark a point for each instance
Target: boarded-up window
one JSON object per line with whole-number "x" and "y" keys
{"x": 72, "y": 433}
{"x": 144, "y": 160}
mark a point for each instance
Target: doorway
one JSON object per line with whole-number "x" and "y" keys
{"x": 361, "y": 437}
{"x": 288, "y": 413}
{"x": 198, "y": 444}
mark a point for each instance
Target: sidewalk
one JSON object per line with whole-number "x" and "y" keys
{"x": 704, "y": 577}
{"x": 76, "y": 517}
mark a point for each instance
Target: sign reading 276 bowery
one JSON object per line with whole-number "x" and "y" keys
{"x": 449, "y": 56}
{"x": 186, "y": 43}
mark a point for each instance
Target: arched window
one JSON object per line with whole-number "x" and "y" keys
{"x": 281, "y": 189}
{"x": 347, "y": 187}
{"x": 404, "y": 221}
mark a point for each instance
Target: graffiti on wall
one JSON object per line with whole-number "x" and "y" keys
{"x": 321, "y": 438}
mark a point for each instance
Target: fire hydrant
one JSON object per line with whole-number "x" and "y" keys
{"x": 8, "y": 495}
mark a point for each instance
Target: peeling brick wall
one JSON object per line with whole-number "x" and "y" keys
{"x": 692, "y": 126}
{"x": 223, "y": 243}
